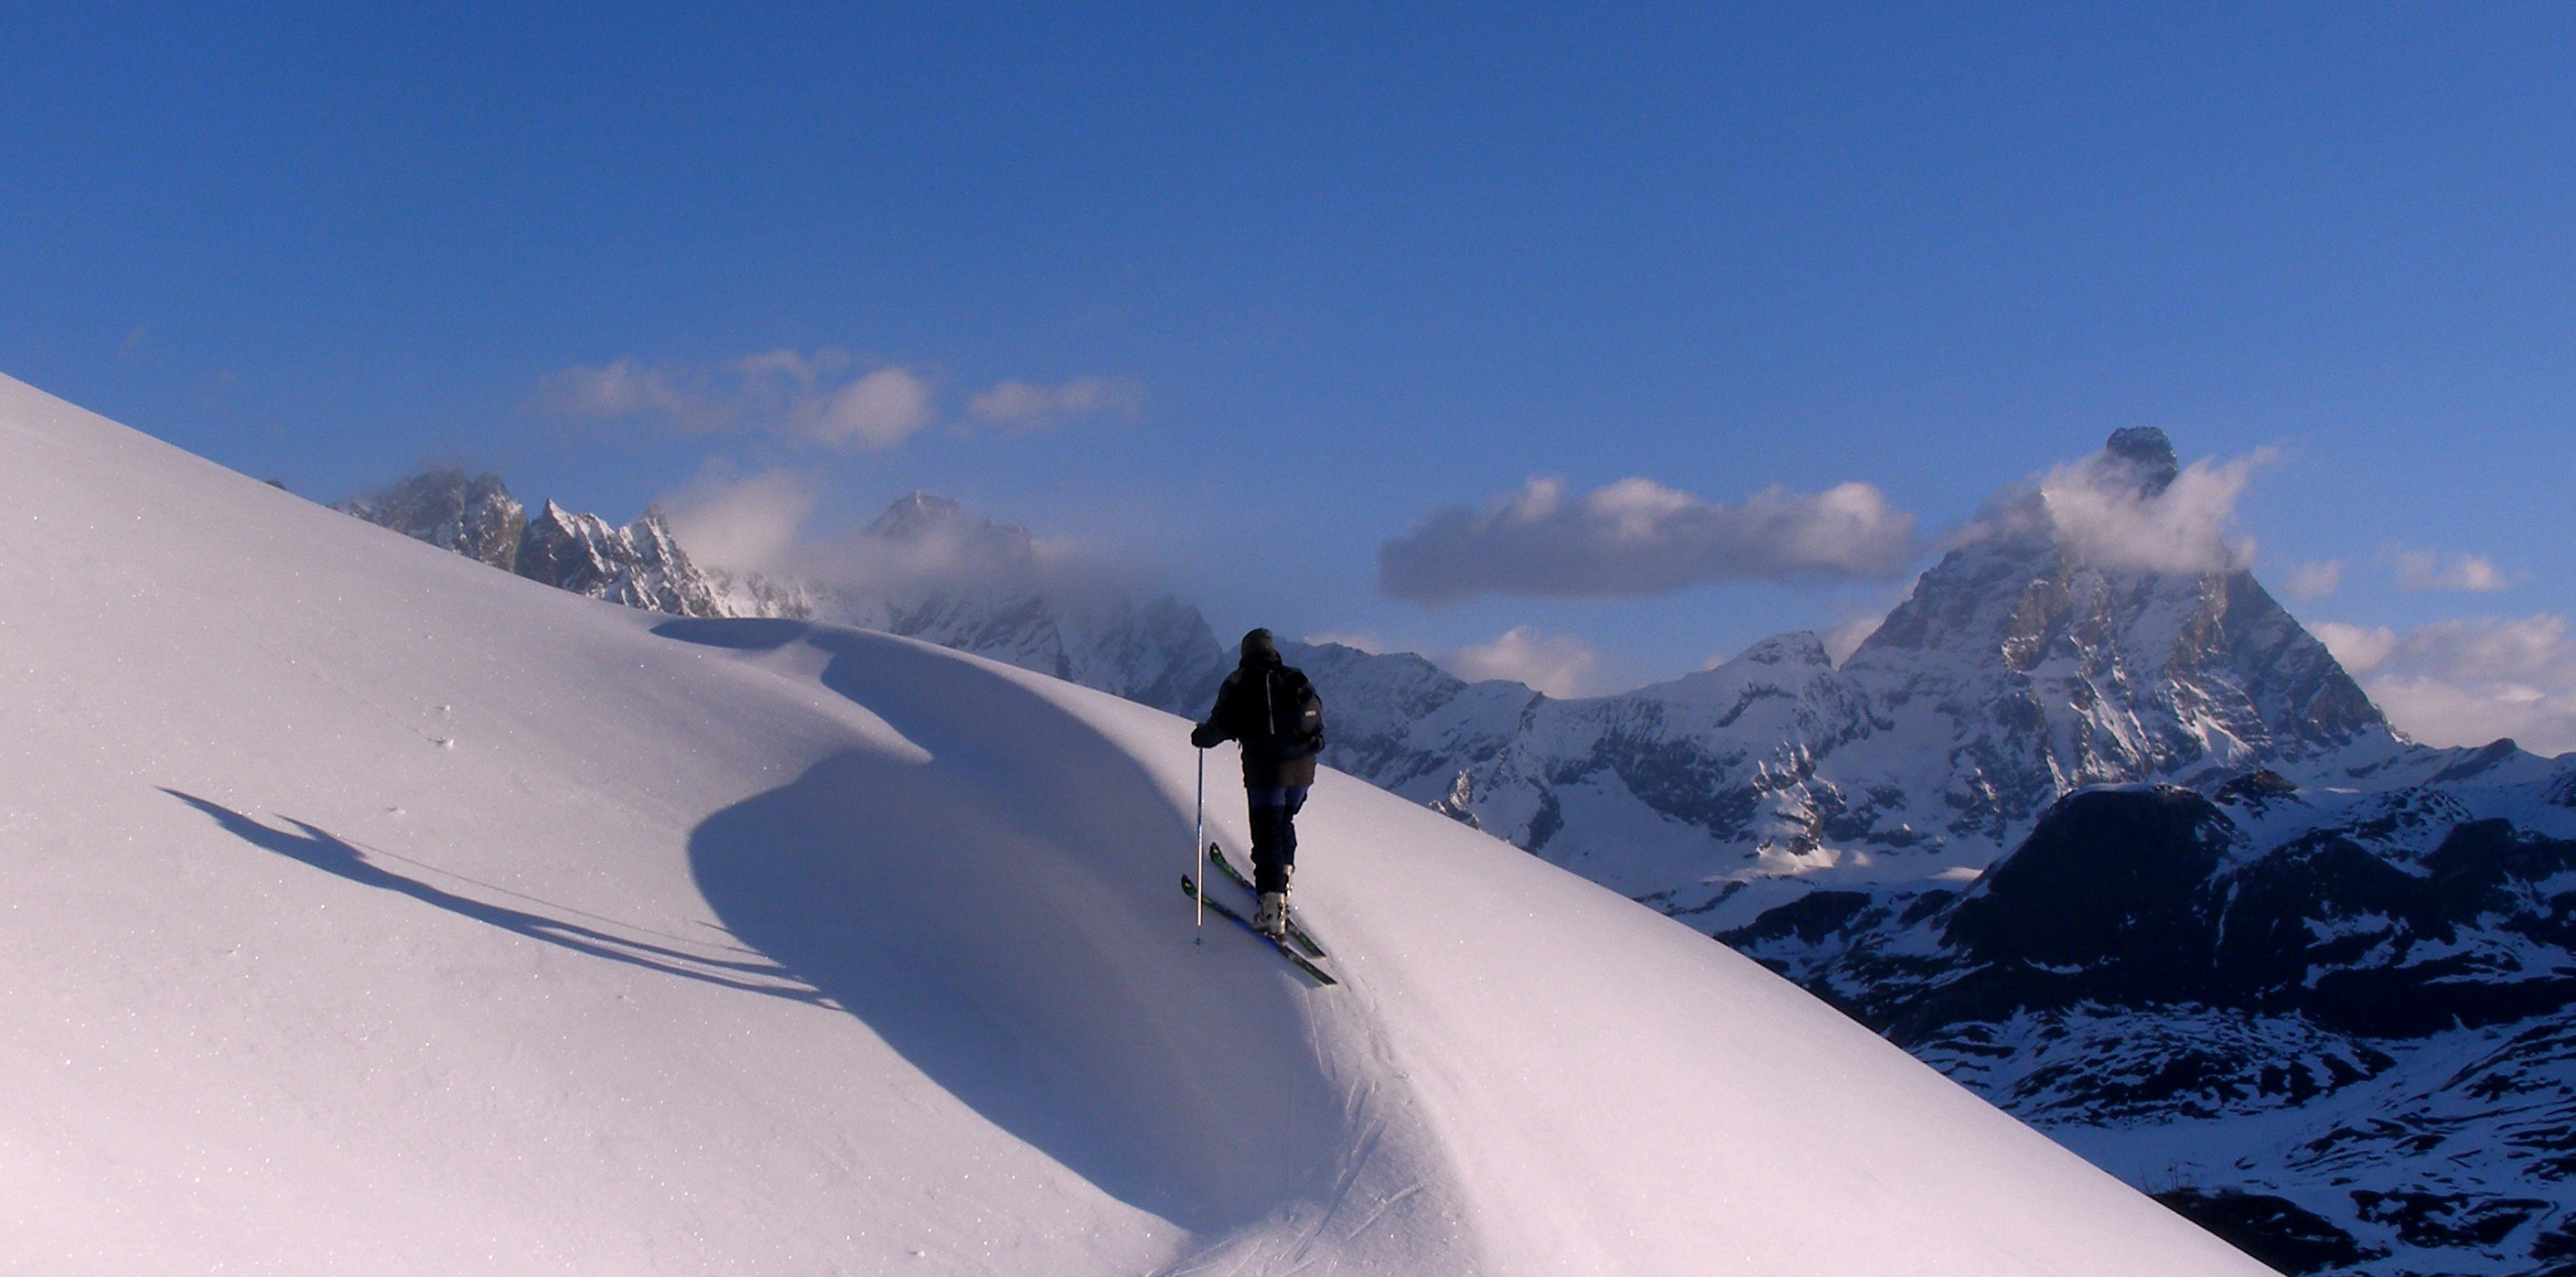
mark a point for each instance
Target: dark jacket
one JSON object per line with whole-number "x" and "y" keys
{"x": 1243, "y": 713}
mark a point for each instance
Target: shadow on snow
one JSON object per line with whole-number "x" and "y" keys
{"x": 1004, "y": 914}
{"x": 327, "y": 852}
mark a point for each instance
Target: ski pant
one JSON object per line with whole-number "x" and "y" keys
{"x": 1274, "y": 833}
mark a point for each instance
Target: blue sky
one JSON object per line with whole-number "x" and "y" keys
{"x": 1313, "y": 276}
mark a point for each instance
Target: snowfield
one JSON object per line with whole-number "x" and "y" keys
{"x": 369, "y": 910}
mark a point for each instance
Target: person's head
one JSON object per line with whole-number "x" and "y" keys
{"x": 1260, "y": 649}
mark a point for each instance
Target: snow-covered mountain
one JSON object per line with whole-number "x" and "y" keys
{"x": 924, "y": 569}
{"x": 639, "y": 565}
{"x": 2120, "y": 845}
{"x": 2339, "y": 1016}
{"x": 474, "y": 515}
{"x": 963, "y": 581}
{"x": 2374, "y": 1086}
{"x": 375, "y": 912}
{"x": 2016, "y": 671}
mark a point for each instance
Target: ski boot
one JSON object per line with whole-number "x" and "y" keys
{"x": 1271, "y": 919}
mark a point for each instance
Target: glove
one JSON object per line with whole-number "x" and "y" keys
{"x": 1204, "y": 736}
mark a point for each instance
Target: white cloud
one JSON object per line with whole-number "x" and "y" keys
{"x": 2467, "y": 682}
{"x": 811, "y": 398}
{"x": 926, "y": 545}
{"x": 2360, "y": 649}
{"x": 828, "y": 398}
{"x": 2110, "y": 520}
{"x": 750, "y": 523}
{"x": 1550, "y": 663}
{"x": 627, "y": 388}
{"x": 2426, "y": 570}
{"x": 1018, "y": 405}
{"x": 1637, "y": 537}
{"x": 876, "y": 412}
{"x": 2315, "y": 580}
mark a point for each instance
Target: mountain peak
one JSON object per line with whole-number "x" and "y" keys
{"x": 1798, "y": 647}
{"x": 472, "y": 515}
{"x": 914, "y": 514}
{"x": 2146, "y": 454}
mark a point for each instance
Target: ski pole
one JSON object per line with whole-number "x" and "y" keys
{"x": 1198, "y": 843}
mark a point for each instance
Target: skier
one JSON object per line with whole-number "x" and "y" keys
{"x": 1272, "y": 709}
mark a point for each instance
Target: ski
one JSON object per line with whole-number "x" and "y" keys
{"x": 1313, "y": 972}
{"x": 1295, "y": 932}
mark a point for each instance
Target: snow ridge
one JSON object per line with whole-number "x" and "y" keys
{"x": 376, "y": 912}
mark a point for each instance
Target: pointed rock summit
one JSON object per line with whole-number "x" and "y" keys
{"x": 2029, "y": 670}
{"x": 1798, "y": 648}
{"x": 914, "y": 514}
{"x": 2024, "y": 665}
{"x": 2147, "y": 454}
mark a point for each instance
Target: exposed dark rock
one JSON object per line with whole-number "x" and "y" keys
{"x": 2485, "y": 759}
{"x": 474, "y": 516}
{"x": 2275, "y": 1230}
{"x": 1459, "y": 804}
{"x": 2446, "y": 1219}
{"x": 2108, "y": 876}
{"x": 2256, "y": 786}
{"x": 2146, "y": 451}
{"x": 2555, "y": 1243}
{"x": 640, "y": 565}
{"x": 1810, "y": 918}
{"x": 2106, "y": 901}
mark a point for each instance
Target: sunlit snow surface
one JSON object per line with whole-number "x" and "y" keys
{"x": 368, "y": 910}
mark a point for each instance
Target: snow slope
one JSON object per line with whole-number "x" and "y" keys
{"x": 368, "y": 910}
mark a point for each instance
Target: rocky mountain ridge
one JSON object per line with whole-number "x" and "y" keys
{"x": 640, "y": 565}
{"x": 2014, "y": 673}
{"x": 939, "y": 574}
{"x": 2333, "y": 1023}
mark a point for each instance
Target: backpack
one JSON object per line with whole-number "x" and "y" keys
{"x": 1293, "y": 713}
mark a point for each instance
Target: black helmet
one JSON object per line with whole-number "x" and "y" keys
{"x": 1260, "y": 649}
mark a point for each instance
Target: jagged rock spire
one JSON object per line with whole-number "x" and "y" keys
{"x": 640, "y": 565}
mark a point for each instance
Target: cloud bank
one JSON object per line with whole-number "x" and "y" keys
{"x": 1018, "y": 405}
{"x": 2427, "y": 570}
{"x": 827, "y": 399}
{"x": 2111, "y": 516}
{"x": 2467, "y": 682}
{"x": 1637, "y": 537}
{"x": 744, "y": 523}
{"x": 1552, "y": 663}
{"x": 2315, "y": 580}
{"x": 922, "y": 546}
